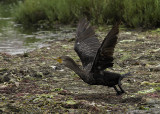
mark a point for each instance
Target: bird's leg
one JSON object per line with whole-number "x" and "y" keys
{"x": 118, "y": 92}
{"x": 122, "y": 91}
{"x": 119, "y": 85}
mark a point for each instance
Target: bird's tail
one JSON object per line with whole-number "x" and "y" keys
{"x": 125, "y": 75}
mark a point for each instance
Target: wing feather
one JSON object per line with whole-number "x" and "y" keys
{"x": 86, "y": 44}
{"x": 104, "y": 56}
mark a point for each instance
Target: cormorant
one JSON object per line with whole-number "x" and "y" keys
{"x": 95, "y": 57}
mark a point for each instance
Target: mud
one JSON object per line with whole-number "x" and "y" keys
{"x": 34, "y": 82}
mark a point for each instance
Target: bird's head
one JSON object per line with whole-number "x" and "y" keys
{"x": 65, "y": 60}
{"x": 58, "y": 59}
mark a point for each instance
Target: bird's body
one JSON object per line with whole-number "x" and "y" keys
{"x": 95, "y": 57}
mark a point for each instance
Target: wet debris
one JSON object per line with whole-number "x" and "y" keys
{"x": 154, "y": 68}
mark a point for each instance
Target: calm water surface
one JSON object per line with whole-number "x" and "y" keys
{"x": 15, "y": 40}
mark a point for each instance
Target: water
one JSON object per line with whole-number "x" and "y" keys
{"x": 15, "y": 40}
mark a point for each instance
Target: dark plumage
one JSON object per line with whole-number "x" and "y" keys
{"x": 95, "y": 57}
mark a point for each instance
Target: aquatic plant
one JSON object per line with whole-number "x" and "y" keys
{"x": 134, "y": 13}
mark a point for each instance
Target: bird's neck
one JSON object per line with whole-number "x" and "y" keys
{"x": 86, "y": 77}
{"x": 73, "y": 66}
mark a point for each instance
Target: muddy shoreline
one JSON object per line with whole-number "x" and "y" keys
{"x": 34, "y": 82}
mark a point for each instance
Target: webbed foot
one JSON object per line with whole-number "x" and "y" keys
{"x": 119, "y": 93}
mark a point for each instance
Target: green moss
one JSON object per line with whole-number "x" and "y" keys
{"x": 143, "y": 108}
{"x": 157, "y": 88}
{"x": 146, "y": 91}
{"x": 155, "y": 30}
{"x": 3, "y": 69}
{"x": 71, "y": 102}
{"x": 56, "y": 89}
{"x": 125, "y": 56}
{"x": 148, "y": 83}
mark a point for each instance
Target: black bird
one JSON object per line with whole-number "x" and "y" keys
{"x": 95, "y": 57}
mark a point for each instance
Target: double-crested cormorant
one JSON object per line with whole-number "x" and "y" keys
{"x": 95, "y": 57}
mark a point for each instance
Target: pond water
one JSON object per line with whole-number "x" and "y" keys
{"x": 15, "y": 40}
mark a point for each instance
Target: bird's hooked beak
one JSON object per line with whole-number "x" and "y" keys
{"x": 58, "y": 59}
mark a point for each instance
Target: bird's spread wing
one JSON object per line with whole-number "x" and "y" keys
{"x": 104, "y": 56}
{"x": 86, "y": 44}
